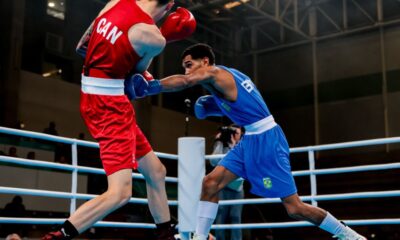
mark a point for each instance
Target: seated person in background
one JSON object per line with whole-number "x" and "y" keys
{"x": 13, "y": 236}
{"x": 51, "y": 129}
{"x": 225, "y": 140}
{"x": 15, "y": 208}
{"x": 31, "y": 155}
{"x": 12, "y": 152}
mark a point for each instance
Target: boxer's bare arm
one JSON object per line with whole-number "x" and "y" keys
{"x": 147, "y": 41}
{"x": 206, "y": 74}
{"x": 211, "y": 77}
{"x": 84, "y": 41}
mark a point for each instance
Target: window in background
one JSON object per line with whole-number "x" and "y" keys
{"x": 56, "y": 8}
{"x": 54, "y": 42}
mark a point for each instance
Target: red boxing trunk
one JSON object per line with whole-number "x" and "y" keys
{"x": 111, "y": 121}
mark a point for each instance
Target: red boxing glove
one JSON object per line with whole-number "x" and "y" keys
{"x": 147, "y": 76}
{"x": 178, "y": 25}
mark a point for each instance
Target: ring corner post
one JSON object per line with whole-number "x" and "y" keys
{"x": 191, "y": 170}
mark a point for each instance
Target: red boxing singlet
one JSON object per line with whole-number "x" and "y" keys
{"x": 107, "y": 112}
{"x": 110, "y": 51}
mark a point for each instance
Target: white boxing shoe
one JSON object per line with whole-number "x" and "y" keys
{"x": 199, "y": 237}
{"x": 349, "y": 234}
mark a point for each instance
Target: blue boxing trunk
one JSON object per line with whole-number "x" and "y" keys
{"x": 262, "y": 158}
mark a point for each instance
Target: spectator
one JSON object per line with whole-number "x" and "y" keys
{"x": 31, "y": 155}
{"x": 13, "y": 236}
{"x": 81, "y": 136}
{"x": 15, "y": 209}
{"x": 12, "y": 152}
{"x": 51, "y": 129}
{"x": 225, "y": 140}
{"x": 63, "y": 159}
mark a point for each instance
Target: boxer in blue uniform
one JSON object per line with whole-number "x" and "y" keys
{"x": 261, "y": 157}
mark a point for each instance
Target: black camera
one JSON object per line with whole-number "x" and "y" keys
{"x": 226, "y": 134}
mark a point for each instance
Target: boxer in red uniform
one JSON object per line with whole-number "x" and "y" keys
{"x": 123, "y": 37}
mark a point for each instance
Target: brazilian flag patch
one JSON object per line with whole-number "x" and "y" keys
{"x": 267, "y": 183}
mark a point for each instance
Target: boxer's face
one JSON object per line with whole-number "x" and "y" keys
{"x": 190, "y": 65}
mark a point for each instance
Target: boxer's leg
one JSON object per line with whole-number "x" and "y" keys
{"x": 118, "y": 194}
{"x": 154, "y": 172}
{"x": 303, "y": 211}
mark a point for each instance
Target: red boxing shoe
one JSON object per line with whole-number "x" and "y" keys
{"x": 57, "y": 235}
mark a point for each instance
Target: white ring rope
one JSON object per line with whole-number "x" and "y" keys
{"x": 43, "y": 136}
{"x": 362, "y": 143}
{"x": 51, "y": 221}
{"x": 361, "y": 222}
{"x": 325, "y": 197}
{"x": 67, "y": 167}
{"x": 67, "y": 195}
{"x": 310, "y": 149}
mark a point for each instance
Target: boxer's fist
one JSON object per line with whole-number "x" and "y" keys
{"x": 178, "y": 25}
{"x": 206, "y": 106}
{"x": 137, "y": 86}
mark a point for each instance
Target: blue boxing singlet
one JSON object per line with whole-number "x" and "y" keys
{"x": 249, "y": 106}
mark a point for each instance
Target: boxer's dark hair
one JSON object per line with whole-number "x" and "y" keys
{"x": 198, "y": 51}
{"x": 163, "y": 2}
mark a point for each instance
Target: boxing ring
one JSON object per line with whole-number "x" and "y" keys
{"x": 189, "y": 184}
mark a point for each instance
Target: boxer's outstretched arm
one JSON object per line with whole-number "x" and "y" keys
{"x": 202, "y": 75}
{"x": 83, "y": 43}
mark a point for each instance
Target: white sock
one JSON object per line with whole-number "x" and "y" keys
{"x": 206, "y": 214}
{"x": 332, "y": 225}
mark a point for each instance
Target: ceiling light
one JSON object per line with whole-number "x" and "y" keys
{"x": 232, "y": 5}
{"x": 48, "y": 74}
{"x": 51, "y": 4}
{"x": 235, "y": 3}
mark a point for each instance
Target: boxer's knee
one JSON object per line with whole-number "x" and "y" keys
{"x": 295, "y": 211}
{"x": 159, "y": 174}
{"x": 118, "y": 197}
{"x": 119, "y": 191}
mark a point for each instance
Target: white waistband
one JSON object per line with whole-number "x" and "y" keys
{"x": 261, "y": 126}
{"x": 102, "y": 86}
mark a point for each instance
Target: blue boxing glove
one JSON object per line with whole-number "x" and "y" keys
{"x": 206, "y": 106}
{"x": 137, "y": 86}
